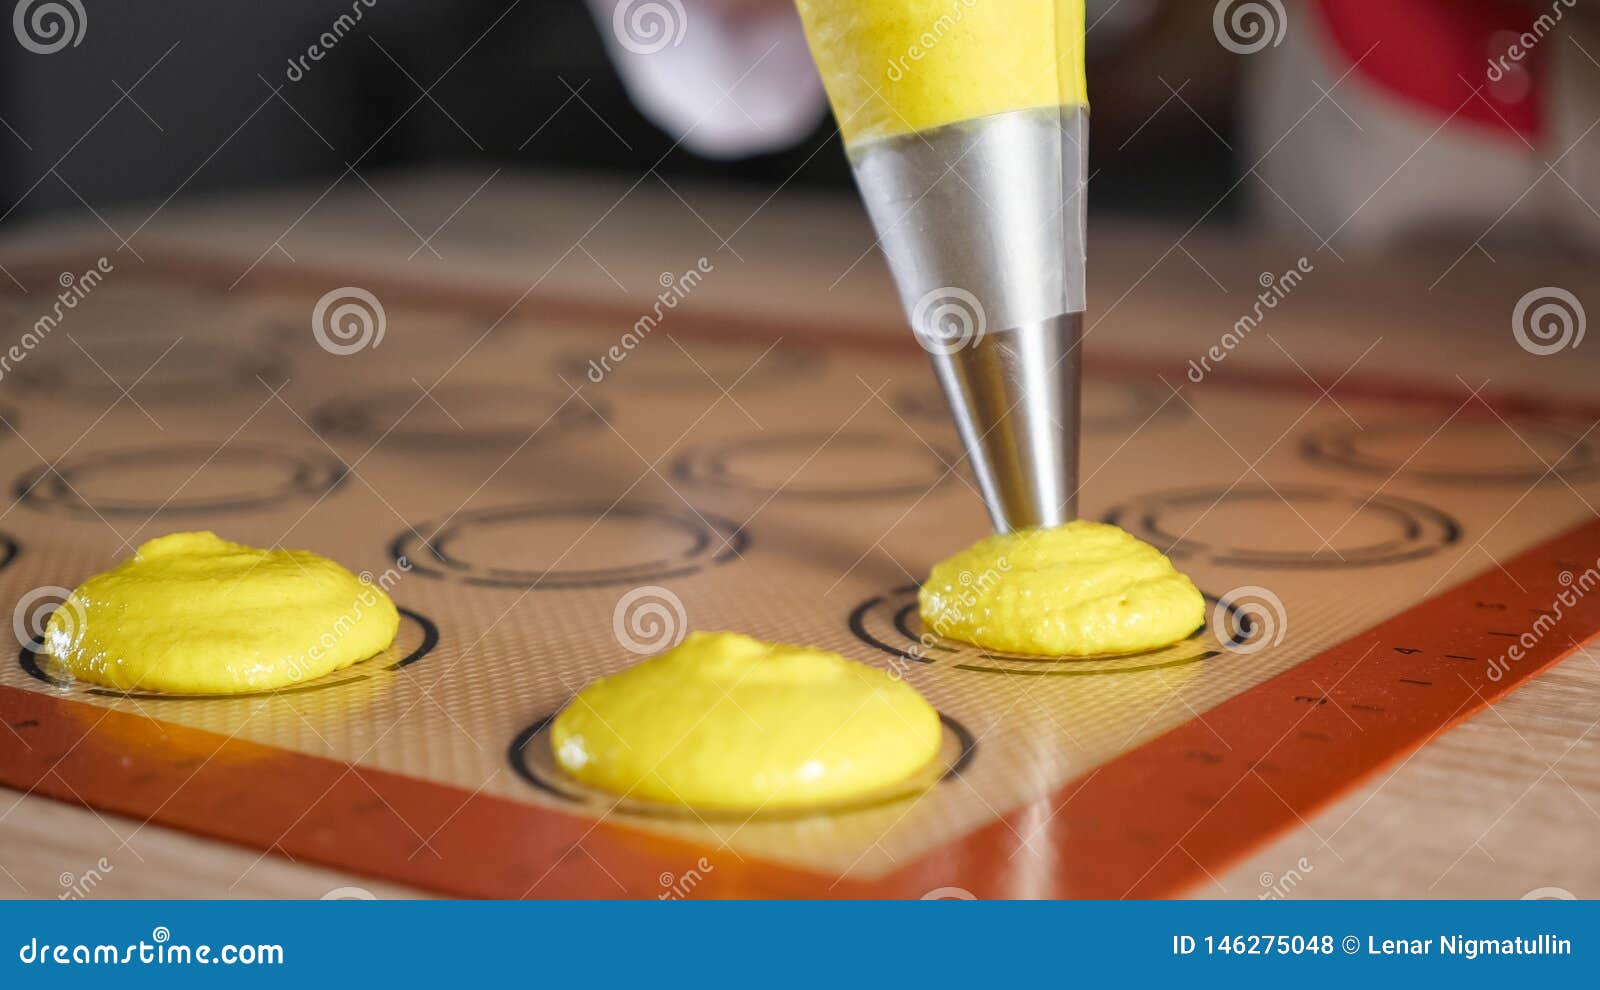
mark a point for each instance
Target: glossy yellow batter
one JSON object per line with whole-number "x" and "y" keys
{"x": 191, "y": 613}
{"x": 1083, "y": 589}
{"x": 728, "y": 723}
{"x": 898, "y": 66}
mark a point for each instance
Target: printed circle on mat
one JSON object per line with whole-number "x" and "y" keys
{"x": 1290, "y": 526}
{"x": 891, "y": 624}
{"x": 1458, "y": 451}
{"x": 534, "y": 761}
{"x": 154, "y": 368}
{"x": 416, "y": 639}
{"x": 181, "y": 478}
{"x": 820, "y": 466}
{"x": 568, "y": 545}
{"x": 1109, "y": 407}
{"x": 453, "y": 416}
{"x": 670, "y": 365}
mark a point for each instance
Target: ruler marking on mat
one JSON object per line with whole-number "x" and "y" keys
{"x": 1286, "y": 722}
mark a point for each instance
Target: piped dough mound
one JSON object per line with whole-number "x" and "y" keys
{"x": 1082, "y": 589}
{"x": 191, "y": 613}
{"x": 725, "y": 722}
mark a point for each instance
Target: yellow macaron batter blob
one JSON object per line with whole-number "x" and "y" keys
{"x": 724, "y": 722}
{"x": 191, "y": 613}
{"x": 1082, "y": 589}
{"x": 898, "y": 66}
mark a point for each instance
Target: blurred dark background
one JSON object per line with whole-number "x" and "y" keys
{"x": 176, "y": 99}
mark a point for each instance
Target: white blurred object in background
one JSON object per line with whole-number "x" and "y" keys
{"x": 727, "y": 79}
{"x": 1377, "y": 121}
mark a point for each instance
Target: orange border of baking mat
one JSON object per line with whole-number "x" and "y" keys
{"x": 1155, "y": 821}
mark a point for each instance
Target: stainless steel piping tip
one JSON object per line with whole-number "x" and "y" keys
{"x": 982, "y": 223}
{"x": 1015, "y": 398}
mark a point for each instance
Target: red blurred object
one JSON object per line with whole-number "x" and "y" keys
{"x": 1456, "y": 58}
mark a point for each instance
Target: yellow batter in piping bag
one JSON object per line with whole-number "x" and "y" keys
{"x": 1083, "y": 589}
{"x": 723, "y": 722}
{"x": 966, "y": 123}
{"x": 191, "y": 613}
{"x": 897, "y": 66}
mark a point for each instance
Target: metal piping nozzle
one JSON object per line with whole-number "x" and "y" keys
{"x": 982, "y": 223}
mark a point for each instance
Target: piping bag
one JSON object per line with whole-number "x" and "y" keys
{"x": 966, "y": 124}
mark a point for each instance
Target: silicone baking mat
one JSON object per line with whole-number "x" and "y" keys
{"x": 552, "y": 495}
